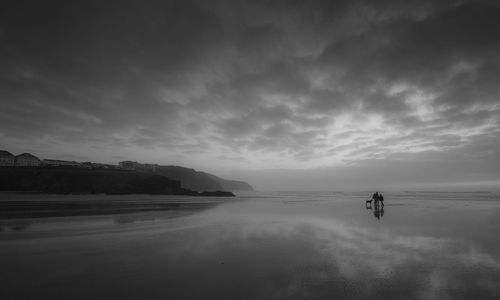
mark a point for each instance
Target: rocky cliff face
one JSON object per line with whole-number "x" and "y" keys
{"x": 230, "y": 185}
{"x": 189, "y": 178}
{"x": 201, "y": 181}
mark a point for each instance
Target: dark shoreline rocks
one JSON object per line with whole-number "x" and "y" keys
{"x": 217, "y": 194}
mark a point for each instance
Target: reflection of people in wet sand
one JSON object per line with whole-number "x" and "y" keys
{"x": 378, "y": 212}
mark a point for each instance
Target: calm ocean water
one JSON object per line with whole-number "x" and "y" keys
{"x": 280, "y": 245}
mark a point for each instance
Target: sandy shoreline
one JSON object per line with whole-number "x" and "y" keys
{"x": 34, "y": 205}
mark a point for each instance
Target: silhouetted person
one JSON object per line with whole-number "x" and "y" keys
{"x": 375, "y": 198}
{"x": 381, "y": 198}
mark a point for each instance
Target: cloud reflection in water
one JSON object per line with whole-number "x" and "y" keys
{"x": 329, "y": 257}
{"x": 260, "y": 249}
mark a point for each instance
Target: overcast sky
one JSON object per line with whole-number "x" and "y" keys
{"x": 284, "y": 94}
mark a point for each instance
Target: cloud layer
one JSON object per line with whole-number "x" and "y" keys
{"x": 255, "y": 84}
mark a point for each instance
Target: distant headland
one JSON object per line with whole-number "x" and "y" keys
{"x": 27, "y": 172}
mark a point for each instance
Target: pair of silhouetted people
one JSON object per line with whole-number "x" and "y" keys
{"x": 379, "y": 208}
{"x": 378, "y": 197}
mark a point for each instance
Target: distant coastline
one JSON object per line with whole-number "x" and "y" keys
{"x": 27, "y": 172}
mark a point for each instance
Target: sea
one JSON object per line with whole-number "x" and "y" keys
{"x": 259, "y": 245}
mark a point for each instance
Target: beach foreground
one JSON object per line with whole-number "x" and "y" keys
{"x": 262, "y": 246}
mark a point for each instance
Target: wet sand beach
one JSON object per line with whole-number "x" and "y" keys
{"x": 262, "y": 246}
{"x": 35, "y": 205}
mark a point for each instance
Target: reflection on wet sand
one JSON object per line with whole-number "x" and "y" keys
{"x": 16, "y": 225}
{"x": 126, "y": 219}
{"x": 261, "y": 249}
{"x": 42, "y": 206}
{"x": 378, "y": 210}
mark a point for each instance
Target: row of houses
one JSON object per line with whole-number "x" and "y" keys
{"x": 8, "y": 159}
{"x": 23, "y": 160}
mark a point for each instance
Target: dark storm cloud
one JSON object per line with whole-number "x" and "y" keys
{"x": 302, "y": 80}
{"x": 90, "y": 73}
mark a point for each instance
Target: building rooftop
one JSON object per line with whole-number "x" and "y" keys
{"x": 26, "y": 155}
{"x": 5, "y": 153}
